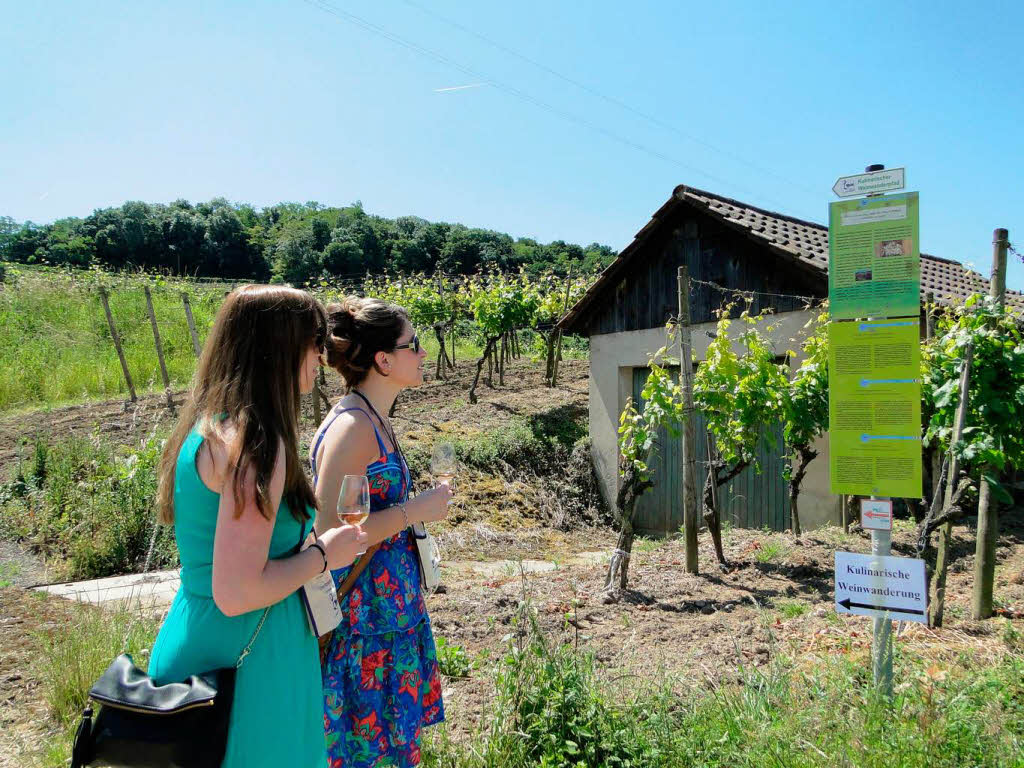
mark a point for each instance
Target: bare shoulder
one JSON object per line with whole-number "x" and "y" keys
{"x": 351, "y": 433}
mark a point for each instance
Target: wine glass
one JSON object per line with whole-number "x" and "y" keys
{"x": 443, "y": 463}
{"x": 354, "y": 500}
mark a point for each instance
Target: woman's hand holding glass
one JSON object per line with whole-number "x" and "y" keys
{"x": 432, "y": 505}
{"x": 342, "y": 545}
{"x": 354, "y": 501}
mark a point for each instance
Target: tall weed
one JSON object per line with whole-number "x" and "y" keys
{"x": 89, "y": 504}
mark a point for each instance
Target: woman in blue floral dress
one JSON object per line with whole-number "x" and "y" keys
{"x": 382, "y": 684}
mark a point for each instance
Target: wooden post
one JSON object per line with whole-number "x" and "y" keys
{"x": 159, "y": 346}
{"x": 997, "y": 283}
{"x": 565, "y": 308}
{"x": 946, "y": 531}
{"x": 455, "y": 319}
{"x": 117, "y": 343}
{"x": 191, "y": 324}
{"x": 988, "y": 508}
{"x": 453, "y": 339}
{"x": 689, "y": 429}
{"x": 439, "y": 333}
{"x": 501, "y": 359}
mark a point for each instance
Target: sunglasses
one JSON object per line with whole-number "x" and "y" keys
{"x": 413, "y": 344}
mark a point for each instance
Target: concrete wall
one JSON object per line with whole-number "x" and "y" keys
{"x": 613, "y": 356}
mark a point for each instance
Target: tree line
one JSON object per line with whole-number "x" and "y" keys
{"x": 289, "y": 242}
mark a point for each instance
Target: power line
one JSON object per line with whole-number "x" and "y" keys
{"x": 605, "y": 97}
{"x": 524, "y": 96}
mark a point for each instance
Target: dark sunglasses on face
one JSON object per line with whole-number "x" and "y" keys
{"x": 413, "y": 344}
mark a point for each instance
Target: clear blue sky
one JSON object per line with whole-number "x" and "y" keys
{"x": 269, "y": 100}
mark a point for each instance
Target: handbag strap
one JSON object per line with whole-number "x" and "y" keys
{"x": 263, "y": 618}
{"x": 356, "y": 572}
{"x": 255, "y": 634}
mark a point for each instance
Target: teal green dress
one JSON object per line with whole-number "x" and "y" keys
{"x": 277, "y": 716}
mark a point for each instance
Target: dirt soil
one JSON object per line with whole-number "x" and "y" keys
{"x": 775, "y": 598}
{"x": 25, "y": 723}
{"x": 437, "y": 407}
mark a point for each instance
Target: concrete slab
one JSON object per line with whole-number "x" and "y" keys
{"x": 143, "y": 590}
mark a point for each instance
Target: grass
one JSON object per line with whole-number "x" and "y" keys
{"x": 790, "y": 609}
{"x": 8, "y": 572}
{"x": 88, "y": 506}
{"x": 645, "y": 545}
{"x": 770, "y": 551}
{"x": 71, "y": 661}
{"x": 538, "y": 443}
{"x": 55, "y": 344}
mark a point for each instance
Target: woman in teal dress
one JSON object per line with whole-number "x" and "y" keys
{"x": 232, "y": 484}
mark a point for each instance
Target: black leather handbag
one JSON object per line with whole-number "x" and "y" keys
{"x": 144, "y": 725}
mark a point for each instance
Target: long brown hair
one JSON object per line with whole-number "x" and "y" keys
{"x": 248, "y": 373}
{"x": 357, "y": 329}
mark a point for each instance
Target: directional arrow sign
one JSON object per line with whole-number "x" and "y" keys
{"x": 881, "y": 585}
{"x": 870, "y": 183}
{"x": 876, "y": 514}
{"x": 848, "y": 603}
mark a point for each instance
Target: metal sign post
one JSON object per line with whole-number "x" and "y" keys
{"x": 881, "y": 629}
{"x": 874, "y": 273}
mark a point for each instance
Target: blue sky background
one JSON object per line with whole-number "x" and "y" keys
{"x": 269, "y": 100}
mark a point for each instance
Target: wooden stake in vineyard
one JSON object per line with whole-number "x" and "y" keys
{"x": 689, "y": 430}
{"x": 988, "y": 508}
{"x": 558, "y": 350}
{"x": 946, "y": 531}
{"x": 159, "y": 346}
{"x": 191, "y": 324}
{"x": 117, "y": 343}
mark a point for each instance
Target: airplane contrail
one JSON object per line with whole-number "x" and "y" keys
{"x": 459, "y": 87}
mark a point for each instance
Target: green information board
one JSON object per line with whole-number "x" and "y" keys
{"x": 874, "y": 408}
{"x": 874, "y": 257}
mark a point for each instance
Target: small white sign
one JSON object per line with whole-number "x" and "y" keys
{"x": 880, "y": 585}
{"x": 870, "y": 183}
{"x": 876, "y": 514}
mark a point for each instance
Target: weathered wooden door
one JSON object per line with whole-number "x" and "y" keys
{"x": 751, "y": 500}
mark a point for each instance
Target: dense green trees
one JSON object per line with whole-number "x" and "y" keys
{"x": 288, "y": 242}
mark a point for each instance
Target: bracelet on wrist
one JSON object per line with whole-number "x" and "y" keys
{"x": 405, "y": 515}
{"x": 323, "y": 552}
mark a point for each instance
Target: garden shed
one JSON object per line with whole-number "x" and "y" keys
{"x": 728, "y": 246}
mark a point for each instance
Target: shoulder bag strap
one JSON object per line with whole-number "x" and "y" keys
{"x": 356, "y": 572}
{"x": 263, "y": 618}
{"x": 255, "y": 634}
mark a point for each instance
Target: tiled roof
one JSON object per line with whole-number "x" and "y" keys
{"x": 804, "y": 243}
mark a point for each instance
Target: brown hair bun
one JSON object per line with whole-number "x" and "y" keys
{"x": 357, "y": 329}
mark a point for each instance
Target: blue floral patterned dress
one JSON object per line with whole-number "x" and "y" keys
{"x": 381, "y": 681}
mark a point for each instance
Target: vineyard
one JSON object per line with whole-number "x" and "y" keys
{"x": 57, "y": 342}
